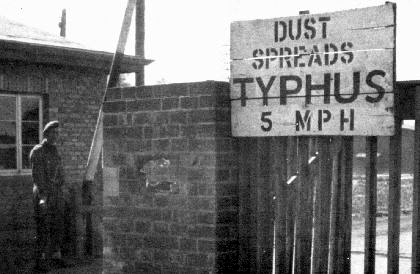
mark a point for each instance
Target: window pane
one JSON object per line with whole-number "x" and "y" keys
{"x": 7, "y": 157}
{"x": 7, "y": 108}
{"x": 25, "y": 156}
{"x": 30, "y": 109}
{"x": 7, "y": 132}
{"x": 30, "y": 133}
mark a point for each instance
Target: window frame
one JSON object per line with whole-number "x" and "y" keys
{"x": 18, "y": 118}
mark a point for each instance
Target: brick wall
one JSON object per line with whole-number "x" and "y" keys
{"x": 73, "y": 98}
{"x": 190, "y": 227}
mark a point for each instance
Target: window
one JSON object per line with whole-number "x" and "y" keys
{"x": 20, "y": 131}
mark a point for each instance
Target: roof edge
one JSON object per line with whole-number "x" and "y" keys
{"x": 66, "y": 56}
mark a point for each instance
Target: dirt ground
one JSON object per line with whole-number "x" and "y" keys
{"x": 357, "y": 258}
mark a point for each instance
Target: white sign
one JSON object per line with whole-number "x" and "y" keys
{"x": 314, "y": 74}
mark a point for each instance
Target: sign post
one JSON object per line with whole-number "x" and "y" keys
{"x": 314, "y": 74}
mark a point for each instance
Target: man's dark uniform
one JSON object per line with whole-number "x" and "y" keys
{"x": 48, "y": 179}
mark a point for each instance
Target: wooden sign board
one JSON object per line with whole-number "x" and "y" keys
{"x": 314, "y": 74}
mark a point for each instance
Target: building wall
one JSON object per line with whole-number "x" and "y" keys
{"x": 178, "y": 135}
{"x": 73, "y": 98}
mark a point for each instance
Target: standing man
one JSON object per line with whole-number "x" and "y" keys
{"x": 48, "y": 179}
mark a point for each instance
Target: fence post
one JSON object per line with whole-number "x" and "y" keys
{"x": 415, "y": 258}
{"x": 304, "y": 210}
{"x": 322, "y": 208}
{"x": 336, "y": 151}
{"x": 346, "y": 196}
{"x": 254, "y": 164}
{"x": 244, "y": 206}
{"x": 394, "y": 199}
{"x": 264, "y": 202}
{"x": 291, "y": 203}
{"x": 279, "y": 167}
{"x": 370, "y": 203}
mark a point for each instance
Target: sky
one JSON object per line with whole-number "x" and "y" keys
{"x": 189, "y": 39}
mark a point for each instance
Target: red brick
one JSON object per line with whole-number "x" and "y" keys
{"x": 114, "y": 133}
{"x": 188, "y": 131}
{"x": 193, "y": 189}
{"x": 128, "y": 93}
{"x": 110, "y": 120}
{"x": 208, "y": 87}
{"x": 161, "y": 228}
{"x": 202, "y": 231}
{"x": 202, "y": 116}
{"x": 161, "y": 201}
{"x": 206, "y": 130}
{"x": 185, "y": 217}
{"x": 161, "y": 145}
{"x": 144, "y": 92}
{"x": 134, "y": 132}
{"x": 144, "y": 105}
{"x": 178, "y": 229}
{"x": 160, "y": 118}
{"x": 114, "y": 107}
{"x": 201, "y": 203}
{"x": 179, "y": 145}
{"x": 126, "y": 225}
{"x": 206, "y": 189}
{"x": 168, "y": 131}
{"x": 142, "y": 227}
{"x": 148, "y": 132}
{"x": 178, "y": 117}
{"x": 160, "y": 242}
{"x": 172, "y": 90}
{"x": 206, "y": 218}
{"x": 207, "y": 101}
{"x": 205, "y": 246}
{"x": 141, "y": 118}
{"x": 189, "y": 102}
{"x": 187, "y": 244}
{"x": 202, "y": 144}
{"x": 170, "y": 103}
{"x": 113, "y": 94}
{"x": 144, "y": 268}
{"x": 161, "y": 256}
{"x": 110, "y": 225}
{"x": 199, "y": 260}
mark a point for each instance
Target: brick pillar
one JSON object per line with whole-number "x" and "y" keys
{"x": 176, "y": 140}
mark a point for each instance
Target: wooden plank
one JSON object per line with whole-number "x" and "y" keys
{"x": 370, "y": 203}
{"x": 291, "y": 202}
{"x": 265, "y": 215}
{"x": 362, "y": 62}
{"x": 140, "y": 37}
{"x": 312, "y": 119}
{"x": 322, "y": 208}
{"x": 244, "y": 205}
{"x": 336, "y": 152}
{"x": 279, "y": 152}
{"x": 114, "y": 73}
{"x": 304, "y": 210}
{"x": 415, "y": 257}
{"x": 367, "y": 28}
{"x": 394, "y": 204}
{"x": 346, "y": 200}
{"x": 253, "y": 167}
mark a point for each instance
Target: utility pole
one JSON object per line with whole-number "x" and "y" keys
{"x": 139, "y": 47}
{"x": 62, "y": 23}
